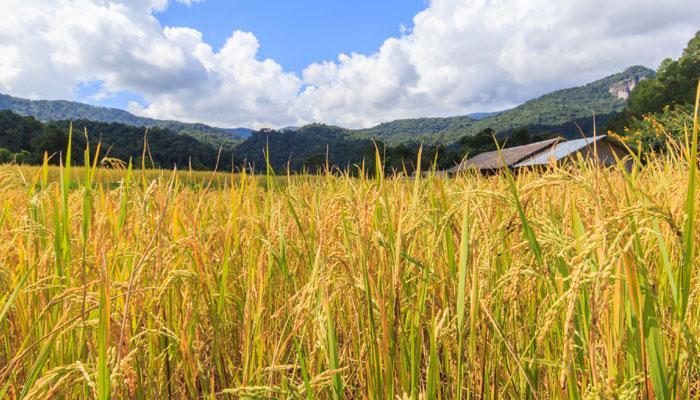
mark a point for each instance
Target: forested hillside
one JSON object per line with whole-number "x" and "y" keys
{"x": 305, "y": 148}
{"x": 308, "y": 148}
{"x": 312, "y": 147}
{"x": 558, "y": 112}
{"x": 58, "y": 110}
{"x": 24, "y": 140}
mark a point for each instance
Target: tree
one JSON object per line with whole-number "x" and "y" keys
{"x": 23, "y": 157}
{"x": 52, "y": 140}
{"x": 5, "y": 156}
{"x": 16, "y": 131}
{"x": 675, "y": 85}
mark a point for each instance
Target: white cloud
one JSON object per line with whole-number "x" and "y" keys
{"x": 460, "y": 56}
{"x": 465, "y": 56}
{"x": 237, "y": 88}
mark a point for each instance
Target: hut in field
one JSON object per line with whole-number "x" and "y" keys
{"x": 603, "y": 148}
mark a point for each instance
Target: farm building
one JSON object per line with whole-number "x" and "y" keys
{"x": 544, "y": 153}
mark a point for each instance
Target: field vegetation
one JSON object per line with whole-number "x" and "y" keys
{"x": 579, "y": 282}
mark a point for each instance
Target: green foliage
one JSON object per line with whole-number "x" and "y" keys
{"x": 669, "y": 95}
{"x": 23, "y": 157}
{"x": 5, "y": 156}
{"x": 16, "y": 132}
{"x": 673, "y": 85}
{"x": 307, "y": 147}
{"x": 311, "y": 147}
{"x": 651, "y": 132}
{"x": 28, "y": 139}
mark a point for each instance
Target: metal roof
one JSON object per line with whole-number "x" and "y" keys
{"x": 492, "y": 160}
{"x": 558, "y": 151}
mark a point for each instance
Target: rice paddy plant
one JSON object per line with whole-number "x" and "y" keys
{"x": 577, "y": 282}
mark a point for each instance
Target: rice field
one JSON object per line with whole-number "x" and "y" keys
{"x": 579, "y": 282}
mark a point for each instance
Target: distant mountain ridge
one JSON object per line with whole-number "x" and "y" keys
{"x": 58, "y": 110}
{"x": 562, "y": 111}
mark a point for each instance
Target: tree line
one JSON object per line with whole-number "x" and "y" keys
{"x": 310, "y": 149}
{"x": 24, "y": 140}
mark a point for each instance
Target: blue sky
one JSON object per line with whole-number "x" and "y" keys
{"x": 89, "y": 92}
{"x": 296, "y": 33}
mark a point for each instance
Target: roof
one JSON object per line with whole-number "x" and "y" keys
{"x": 558, "y": 151}
{"x": 512, "y": 155}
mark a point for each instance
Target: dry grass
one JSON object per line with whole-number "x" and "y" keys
{"x": 580, "y": 282}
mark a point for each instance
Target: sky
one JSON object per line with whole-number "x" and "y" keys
{"x": 298, "y": 33}
{"x": 274, "y": 63}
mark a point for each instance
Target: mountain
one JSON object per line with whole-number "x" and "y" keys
{"x": 561, "y": 112}
{"x": 303, "y": 148}
{"x": 57, "y": 110}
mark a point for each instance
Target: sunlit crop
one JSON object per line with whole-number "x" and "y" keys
{"x": 577, "y": 282}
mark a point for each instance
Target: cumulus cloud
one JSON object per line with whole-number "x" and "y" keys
{"x": 238, "y": 89}
{"x": 460, "y": 56}
{"x": 49, "y": 48}
{"x": 479, "y": 55}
